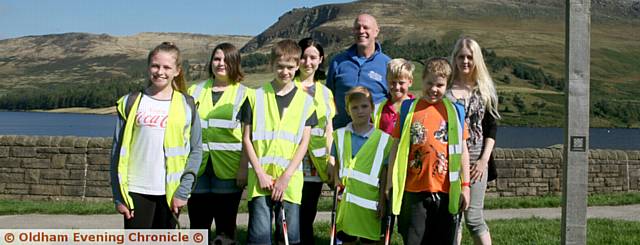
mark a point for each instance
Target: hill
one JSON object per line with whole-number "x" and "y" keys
{"x": 529, "y": 34}
{"x": 33, "y": 61}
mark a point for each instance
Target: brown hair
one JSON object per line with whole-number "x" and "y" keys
{"x": 287, "y": 50}
{"x": 438, "y": 66}
{"x": 232, "y": 61}
{"x": 178, "y": 82}
{"x": 358, "y": 92}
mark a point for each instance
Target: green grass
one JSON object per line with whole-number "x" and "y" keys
{"x": 523, "y": 231}
{"x": 13, "y": 207}
{"x": 615, "y": 199}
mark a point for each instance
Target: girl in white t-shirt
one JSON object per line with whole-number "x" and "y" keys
{"x": 157, "y": 146}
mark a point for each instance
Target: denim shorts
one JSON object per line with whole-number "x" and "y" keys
{"x": 208, "y": 182}
{"x": 261, "y": 212}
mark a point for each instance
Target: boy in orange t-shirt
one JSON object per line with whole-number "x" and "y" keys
{"x": 425, "y": 215}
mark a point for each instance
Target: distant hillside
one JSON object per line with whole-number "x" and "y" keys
{"x": 81, "y": 57}
{"x": 400, "y": 19}
{"x": 529, "y": 34}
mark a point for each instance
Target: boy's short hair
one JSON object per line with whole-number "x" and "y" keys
{"x": 437, "y": 66}
{"x": 356, "y": 93}
{"x": 286, "y": 50}
{"x": 400, "y": 69}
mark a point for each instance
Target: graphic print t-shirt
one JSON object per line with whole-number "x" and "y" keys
{"x": 147, "y": 165}
{"x": 428, "y": 166}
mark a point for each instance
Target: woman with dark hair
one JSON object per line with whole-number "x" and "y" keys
{"x": 223, "y": 172}
{"x": 310, "y": 78}
{"x": 473, "y": 87}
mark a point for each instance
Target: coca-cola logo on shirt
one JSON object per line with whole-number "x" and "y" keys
{"x": 152, "y": 118}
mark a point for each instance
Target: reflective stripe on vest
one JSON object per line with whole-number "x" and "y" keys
{"x": 225, "y": 146}
{"x": 320, "y": 152}
{"x": 176, "y": 144}
{"x": 317, "y": 132}
{"x": 368, "y": 204}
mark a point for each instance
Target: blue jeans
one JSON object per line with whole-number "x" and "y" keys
{"x": 261, "y": 212}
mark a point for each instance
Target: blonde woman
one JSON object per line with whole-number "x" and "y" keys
{"x": 156, "y": 146}
{"x": 472, "y": 86}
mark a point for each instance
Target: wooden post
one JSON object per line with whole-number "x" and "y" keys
{"x": 576, "y": 150}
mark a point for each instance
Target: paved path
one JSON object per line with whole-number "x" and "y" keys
{"x": 39, "y": 221}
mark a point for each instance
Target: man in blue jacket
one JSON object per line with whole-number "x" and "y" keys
{"x": 363, "y": 64}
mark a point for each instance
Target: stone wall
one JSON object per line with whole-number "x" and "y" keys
{"x": 53, "y": 167}
{"x": 536, "y": 172}
{"x": 63, "y": 168}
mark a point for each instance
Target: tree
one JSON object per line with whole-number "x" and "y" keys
{"x": 539, "y": 106}
{"x": 518, "y": 102}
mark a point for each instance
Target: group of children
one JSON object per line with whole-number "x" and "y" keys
{"x": 405, "y": 156}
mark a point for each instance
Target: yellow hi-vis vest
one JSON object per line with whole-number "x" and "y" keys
{"x": 275, "y": 139}
{"x": 377, "y": 113}
{"x": 221, "y": 132}
{"x": 176, "y": 144}
{"x": 455, "y": 126}
{"x": 357, "y": 212}
{"x": 325, "y": 111}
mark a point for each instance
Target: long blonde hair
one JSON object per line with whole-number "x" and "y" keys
{"x": 484, "y": 83}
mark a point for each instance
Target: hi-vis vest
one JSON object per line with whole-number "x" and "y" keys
{"x": 325, "y": 111}
{"x": 275, "y": 139}
{"x": 377, "y": 112}
{"x": 221, "y": 132}
{"x": 176, "y": 144}
{"x": 357, "y": 212}
{"x": 455, "y": 124}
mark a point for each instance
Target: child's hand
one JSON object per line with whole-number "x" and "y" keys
{"x": 340, "y": 189}
{"x": 277, "y": 194}
{"x": 477, "y": 170}
{"x": 122, "y": 209}
{"x": 387, "y": 193}
{"x": 466, "y": 197}
{"x": 241, "y": 178}
{"x": 266, "y": 182}
{"x": 381, "y": 209}
{"x": 330, "y": 179}
{"x": 177, "y": 204}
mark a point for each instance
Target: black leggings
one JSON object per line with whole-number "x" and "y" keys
{"x": 150, "y": 212}
{"x": 308, "y": 209}
{"x": 205, "y": 207}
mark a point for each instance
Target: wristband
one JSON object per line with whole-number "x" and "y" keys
{"x": 467, "y": 184}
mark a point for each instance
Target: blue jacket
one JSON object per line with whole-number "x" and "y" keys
{"x": 346, "y": 72}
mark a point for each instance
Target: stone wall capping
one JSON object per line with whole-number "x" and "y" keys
{"x": 68, "y": 141}
{"x": 44, "y": 140}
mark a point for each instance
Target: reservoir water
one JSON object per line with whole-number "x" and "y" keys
{"x": 61, "y": 124}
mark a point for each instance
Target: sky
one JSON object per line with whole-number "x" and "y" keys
{"x": 127, "y": 17}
